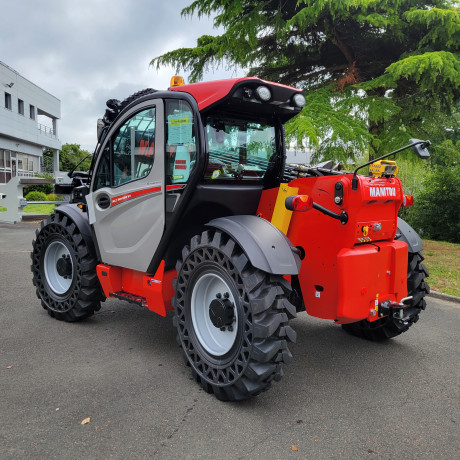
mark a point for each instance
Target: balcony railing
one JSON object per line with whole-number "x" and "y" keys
{"x": 46, "y": 130}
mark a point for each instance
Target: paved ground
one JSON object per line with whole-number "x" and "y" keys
{"x": 342, "y": 397}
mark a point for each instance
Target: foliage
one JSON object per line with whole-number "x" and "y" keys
{"x": 70, "y": 155}
{"x": 44, "y": 188}
{"x": 36, "y": 196}
{"x": 375, "y": 73}
{"x": 52, "y": 197}
{"x": 436, "y": 213}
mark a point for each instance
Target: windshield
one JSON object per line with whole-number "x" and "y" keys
{"x": 238, "y": 149}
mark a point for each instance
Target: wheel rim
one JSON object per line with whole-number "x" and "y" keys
{"x": 206, "y": 290}
{"x": 58, "y": 267}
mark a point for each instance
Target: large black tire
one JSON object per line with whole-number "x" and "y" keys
{"x": 389, "y": 327}
{"x": 242, "y": 359}
{"x": 64, "y": 270}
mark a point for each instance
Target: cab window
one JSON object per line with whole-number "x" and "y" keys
{"x": 180, "y": 142}
{"x": 133, "y": 152}
{"x": 134, "y": 148}
{"x": 103, "y": 176}
{"x": 239, "y": 150}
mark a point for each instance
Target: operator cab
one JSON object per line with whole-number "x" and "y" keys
{"x": 174, "y": 160}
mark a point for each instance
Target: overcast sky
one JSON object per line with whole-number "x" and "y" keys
{"x": 87, "y": 51}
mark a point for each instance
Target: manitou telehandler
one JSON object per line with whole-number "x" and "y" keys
{"x": 188, "y": 206}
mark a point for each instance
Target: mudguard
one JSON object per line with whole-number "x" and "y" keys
{"x": 407, "y": 234}
{"x": 80, "y": 219}
{"x": 265, "y": 246}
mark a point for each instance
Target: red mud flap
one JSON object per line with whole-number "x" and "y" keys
{"x": 370, "y": 275}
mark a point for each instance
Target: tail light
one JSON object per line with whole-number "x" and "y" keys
{"x": 299, "y": 203}
{"x": 408, "y": 200}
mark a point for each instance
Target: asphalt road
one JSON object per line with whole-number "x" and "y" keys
{"x": 342, "y": 397}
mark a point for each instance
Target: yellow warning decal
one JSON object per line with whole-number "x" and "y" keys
{"x": 281, "y": 216}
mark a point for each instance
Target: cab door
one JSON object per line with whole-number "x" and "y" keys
{"x": 126, "y": 205}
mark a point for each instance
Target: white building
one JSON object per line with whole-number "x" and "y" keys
{"x": 28, "y": 125}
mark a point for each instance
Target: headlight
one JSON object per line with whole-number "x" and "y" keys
{"x": 299, "y": 100}
{"x": 263, "y": 93}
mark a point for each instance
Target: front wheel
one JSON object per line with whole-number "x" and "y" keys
{"x": 388, "y": 327}
{"x": 64, "y": 270}
{"x": 231, "y": 318}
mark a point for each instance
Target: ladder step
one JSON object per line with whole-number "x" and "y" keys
{"x": 132, "y": 298}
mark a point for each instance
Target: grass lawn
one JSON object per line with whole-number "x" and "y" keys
{"x": 443, "y": 262}
{"x": 35, "y": 208}
{"x": 39, "y": 208}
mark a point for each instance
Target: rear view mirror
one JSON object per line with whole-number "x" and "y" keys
{"x": 100, "y": 127}
{"x": 420, "y": 148}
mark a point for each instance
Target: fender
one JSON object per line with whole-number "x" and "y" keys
{"x": 80, "y": 219}
{"x": 407, "y": 234}
{"x": 265, "y": 246}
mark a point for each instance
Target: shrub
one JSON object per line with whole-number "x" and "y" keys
{"x": 52, "y": 197}
{"x": 44, "y": 188}
{"x": 436, "y": 213}
{"x": 36, "y": 196}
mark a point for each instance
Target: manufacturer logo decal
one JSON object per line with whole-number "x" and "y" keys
{"x": 382, "y": 191}
{"x": 129, "y": 196}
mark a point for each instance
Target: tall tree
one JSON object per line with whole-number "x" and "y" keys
{"x": 375, "y": 72}
{"x": 70, "y": 155}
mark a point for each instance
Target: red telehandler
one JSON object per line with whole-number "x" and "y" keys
{"x": 189, "y": 206}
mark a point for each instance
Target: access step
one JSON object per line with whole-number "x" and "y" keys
{"x": 131, "y": 298}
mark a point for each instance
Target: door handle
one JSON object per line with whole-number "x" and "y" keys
{"x": 103, "y": 201}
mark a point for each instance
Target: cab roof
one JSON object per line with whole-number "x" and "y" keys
{"x": 212, "y": 93}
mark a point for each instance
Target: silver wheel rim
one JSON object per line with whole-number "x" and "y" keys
{"x": 212, "y": 339}
{"x": 55, "y": 251}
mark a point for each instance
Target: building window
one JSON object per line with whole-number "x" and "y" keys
{"x": 8, "y": 104}
{"x": 20, "y": 106}
{"x": 32, "y": 112}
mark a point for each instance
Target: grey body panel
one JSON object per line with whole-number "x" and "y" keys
{"x": 407, "y": 234}
{"x": 128, "y": 233}
{"x": 265, "y": 246}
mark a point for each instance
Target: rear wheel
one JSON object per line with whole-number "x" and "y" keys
{"x": 231, "y": 318}
{"x": 388, "y": 327}
{"x": 64, "y": 270}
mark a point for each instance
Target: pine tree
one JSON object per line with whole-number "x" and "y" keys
{"x": 375, "y": 72}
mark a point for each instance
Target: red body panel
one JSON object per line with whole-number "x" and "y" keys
{"x": 154, "y": 289}
{"x": 366, "y": 274}
{"x": 207, "y": 93}
{"x": 340, "y": 276}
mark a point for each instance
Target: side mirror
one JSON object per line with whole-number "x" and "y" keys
{"x": 420, "y": 148}
{"x": 100, "y": 127}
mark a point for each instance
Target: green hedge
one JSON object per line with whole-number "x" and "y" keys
{"x": 44, "y": 188}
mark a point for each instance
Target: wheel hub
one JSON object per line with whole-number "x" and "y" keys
{"x": 214, "y": 313}
{"x": 64, "y": 266}
{"x": 221, "y": 311}
{"x": 58, "y": 267}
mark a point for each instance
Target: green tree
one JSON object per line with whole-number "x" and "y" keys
{"x": 375, "y": 72}
{"x": 436, "y": 214}
{"x": 70, "y": 155}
